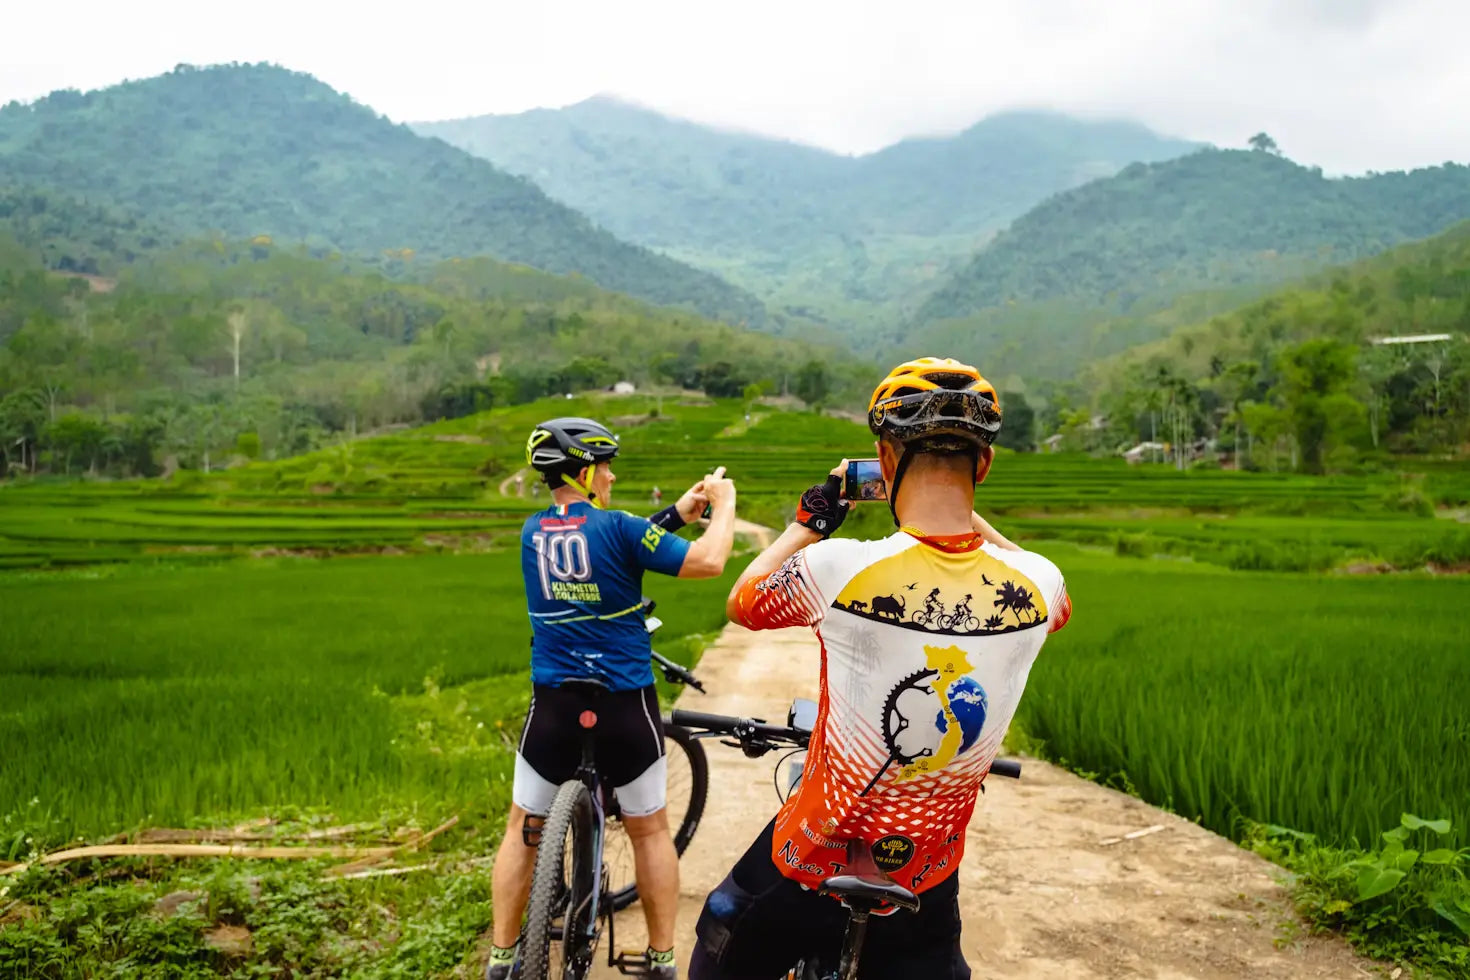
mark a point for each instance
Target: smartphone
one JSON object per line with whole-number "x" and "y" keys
{"x": 864, "y": 480}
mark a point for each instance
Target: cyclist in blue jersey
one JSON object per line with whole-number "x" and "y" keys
{"x": 583, "y": 566}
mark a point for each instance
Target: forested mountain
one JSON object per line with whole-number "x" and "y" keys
{"x": 74, "y": 236}
{"x": 1213, "y": 219}
{"x": 842, "y": 237}
{"x": 260, "y": 151}
{"x": 194, "y": 348}
{"x": 1294, "y": 378}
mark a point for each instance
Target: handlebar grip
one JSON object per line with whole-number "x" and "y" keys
{"x": 698, "y": 719}
{"x": 728, "y": 724}
{"x": 1009, "y": 768}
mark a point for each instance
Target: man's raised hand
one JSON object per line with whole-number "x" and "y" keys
{"x": 823, "y": 508}
{"x": 692, "y": 504}
{"x": 718, "y": 489}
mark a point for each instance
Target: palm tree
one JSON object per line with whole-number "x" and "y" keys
{"x": 1022, "y": 603}
{"x": 1005, "y": 597}
{"x": 1015, "y": 599}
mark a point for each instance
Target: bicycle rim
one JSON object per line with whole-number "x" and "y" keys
{"x": 688, "y": 790}
{"x": 557, "y": 945}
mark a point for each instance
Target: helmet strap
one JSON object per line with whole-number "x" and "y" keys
{"x": 899, "y": 470}
{"x": 904, "y": 459}
{"x": 585, "y": 488}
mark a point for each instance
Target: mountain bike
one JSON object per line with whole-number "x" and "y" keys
{"x": 865, "y": 888}
{"x": 584, "y": 860}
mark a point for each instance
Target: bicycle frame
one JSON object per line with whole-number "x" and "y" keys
{"x": 587, "y": 775}
{"x": 600, "y": 911}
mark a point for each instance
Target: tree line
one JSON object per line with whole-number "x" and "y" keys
{"x": 216, "y": 350}
{"x": 1316, "y": 378}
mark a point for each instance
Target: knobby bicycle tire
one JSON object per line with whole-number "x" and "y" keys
{"x": 676, "y": 738}
{"x": 557, "y": 892}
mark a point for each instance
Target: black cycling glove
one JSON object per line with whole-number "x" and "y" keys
{"x": 822, "y": 508}
{"x": 669, "y": 518}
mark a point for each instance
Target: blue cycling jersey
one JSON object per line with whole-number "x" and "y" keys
{"x": 584, "y": 584}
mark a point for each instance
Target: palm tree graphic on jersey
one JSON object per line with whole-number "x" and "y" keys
{"x": 1016, "y": 599}
{"x": 960, "y": 715}
{"x": 1015, "y": 604}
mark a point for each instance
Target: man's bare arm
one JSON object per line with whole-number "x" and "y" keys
{"x": 792, "y": 540}
{"x": 982, "y": 527}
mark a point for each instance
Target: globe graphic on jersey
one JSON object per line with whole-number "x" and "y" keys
{"x": 967, "y": 701}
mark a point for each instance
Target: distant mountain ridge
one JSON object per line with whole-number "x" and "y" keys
{"x": 798, "y": 225}
{"x": 252, "y": 150}
{"x": 1126, "y": 260}
{"x": 1211, "y": 219}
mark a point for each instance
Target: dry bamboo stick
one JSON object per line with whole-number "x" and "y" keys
{"x": 199, "y": 850}
{"x": 364, "y": 855}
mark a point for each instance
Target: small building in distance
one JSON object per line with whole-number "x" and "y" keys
{"x": 1146, "y": 450}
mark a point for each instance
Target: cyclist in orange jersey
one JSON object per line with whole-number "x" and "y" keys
{"x": 911, "y": 713}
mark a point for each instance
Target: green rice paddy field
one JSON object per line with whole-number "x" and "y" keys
{"x": 344, "y": 633}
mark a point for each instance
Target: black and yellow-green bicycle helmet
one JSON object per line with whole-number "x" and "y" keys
{"x": 559, "y": 448}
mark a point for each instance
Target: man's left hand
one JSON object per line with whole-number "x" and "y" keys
{"x": 692, "y": 504}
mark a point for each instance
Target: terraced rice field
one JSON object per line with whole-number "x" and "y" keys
{"x": 167, "y": 656}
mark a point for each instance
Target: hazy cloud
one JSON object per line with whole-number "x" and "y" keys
{"x": 1349, "y": 85}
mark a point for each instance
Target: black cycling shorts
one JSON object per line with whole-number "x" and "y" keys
{"x": 628, "y": 745}
{"x": 757, "y": 923}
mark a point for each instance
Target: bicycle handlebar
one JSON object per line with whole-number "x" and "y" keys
{"x": 1009, "y": 768}
{"x": 675, "y": 674}
{"x": 755, "y": 734}
{"x": 741, "y": 728}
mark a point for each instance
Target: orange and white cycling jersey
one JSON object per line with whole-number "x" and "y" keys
{"x": 926, "y": 646}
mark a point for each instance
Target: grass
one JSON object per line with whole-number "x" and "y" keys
{"x": 160, "y": 695}
{"x": 162, "y": 663}
{"x": 1321, "y": 704}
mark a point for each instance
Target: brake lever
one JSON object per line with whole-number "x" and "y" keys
{"x": 676, "y": 675}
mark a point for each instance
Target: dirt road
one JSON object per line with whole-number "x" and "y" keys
{"x": 1042, "y": 895}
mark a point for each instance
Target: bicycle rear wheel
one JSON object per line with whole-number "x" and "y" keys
{"x": 561, "y": 891}
{"x": 688, "y": 791}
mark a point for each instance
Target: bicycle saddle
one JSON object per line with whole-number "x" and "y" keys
{"x": 865, "y": 887}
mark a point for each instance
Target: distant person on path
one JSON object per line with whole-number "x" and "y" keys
{"x": 658, "y": 496}
{"x": 910, "y": 717}
{"x": 583, "y": 566}
{"x": 520, "y": 485}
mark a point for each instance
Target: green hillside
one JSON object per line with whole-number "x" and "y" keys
{"x": 74, "y": 236}
{"x": 1294, "y": 380}
{"x": 1214, "y": 219}
{"x": 216, "y": 349}
{"x": 818, "y": 234}
{"x": 257, "y": 150}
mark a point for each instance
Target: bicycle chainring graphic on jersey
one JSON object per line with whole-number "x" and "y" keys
{"x": 898, "y": 719}
{"x": 931, "y": 716}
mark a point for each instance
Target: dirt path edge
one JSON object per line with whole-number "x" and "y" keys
{"x": 1048, "y": 888}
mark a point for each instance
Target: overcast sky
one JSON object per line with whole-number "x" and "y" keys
{"x": 1349, "y": 85}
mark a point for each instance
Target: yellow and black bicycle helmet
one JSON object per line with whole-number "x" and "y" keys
{"x": 937, "y": 402}
{"x": 933, "y": 405}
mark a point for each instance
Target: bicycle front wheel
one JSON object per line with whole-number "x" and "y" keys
{"x": 561, "y": 891}
{"x": 688, "y": 790}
